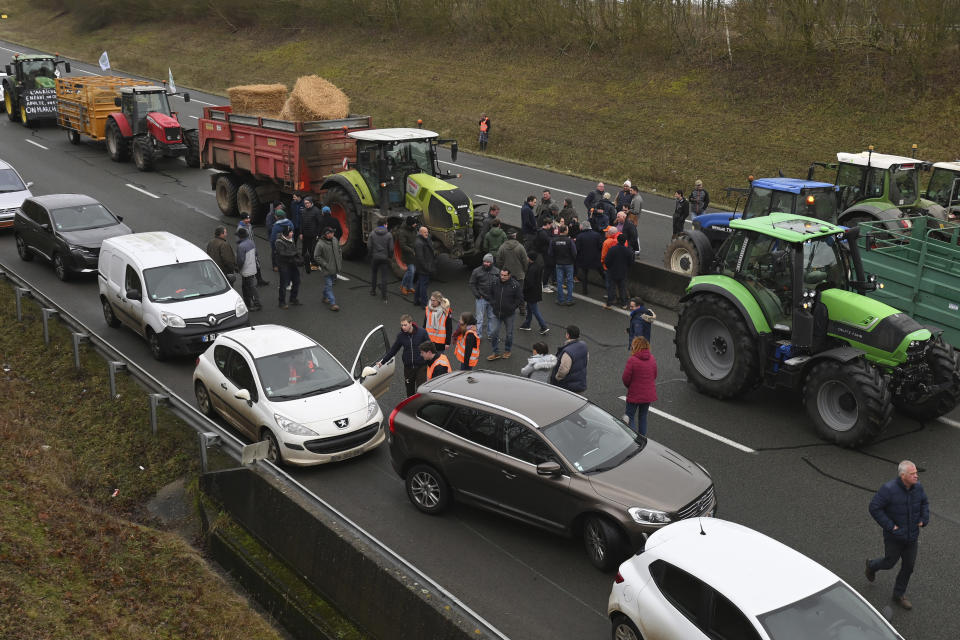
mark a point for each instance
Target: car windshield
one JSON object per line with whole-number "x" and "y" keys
{"x": 300, "y": 373}
{"x": 83, "y": 216}
{"x": 592, "y": 440}
{"x": 836, "y": 613}
{"x": 10, "y": 181}
{"x": 185, "y": 281}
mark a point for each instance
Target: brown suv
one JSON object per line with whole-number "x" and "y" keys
{"x": 544, "y": 455}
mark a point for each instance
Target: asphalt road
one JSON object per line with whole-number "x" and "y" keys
{"x": 770, "y": 470}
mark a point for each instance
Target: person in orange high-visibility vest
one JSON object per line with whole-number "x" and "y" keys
{"x": 467, "y": 339}
{"x": 484, "y": 132}
{"x": 438, "y": 320}
{"x": 437, "y": 363}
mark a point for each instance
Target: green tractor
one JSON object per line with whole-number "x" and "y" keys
{"x": 878, "y": 187}
{"x": 29, "y": 90}
{"x": 944, "y": 188}
{"x": 397, "y": 175}
{"x": 785, "y": 307}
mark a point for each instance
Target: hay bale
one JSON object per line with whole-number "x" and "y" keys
{"x": 314, "y": 98}
{"x": 262, "y": 100}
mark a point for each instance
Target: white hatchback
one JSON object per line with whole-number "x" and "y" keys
{"x": 13, "y": 191}
{"x": 709, "y": 578}
{"x": 277, "y": 385}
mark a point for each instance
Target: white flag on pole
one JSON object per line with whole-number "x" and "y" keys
{"x": 173, "y": 87}
{"x": 104, "y": 61}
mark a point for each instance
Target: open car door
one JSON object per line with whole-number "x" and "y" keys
{"x": 364, "y": 369}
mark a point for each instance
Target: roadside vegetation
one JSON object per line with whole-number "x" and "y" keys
{"x": 79, "y": 557}
{"x": 643, "y": 89}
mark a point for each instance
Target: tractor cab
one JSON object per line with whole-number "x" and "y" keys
{"x": 879, "y": 177}
{"x": 136, "y": 103}
{"x": 791, "y": 195}
{"x": 944, "y": 187}
{"x": 38, "y": 73}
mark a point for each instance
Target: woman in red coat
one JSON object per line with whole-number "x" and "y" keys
{"x": 640, "y": 379}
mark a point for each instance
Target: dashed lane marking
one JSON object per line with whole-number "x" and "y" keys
{"x": 36, "y": 144}
{"x": 135, "y": 188}
{"x": 700, "y": 430}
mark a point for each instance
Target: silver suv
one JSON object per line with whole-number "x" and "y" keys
{"x": 544, "y": 455}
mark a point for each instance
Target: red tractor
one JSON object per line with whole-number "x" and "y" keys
{"x": 147, "y": 129}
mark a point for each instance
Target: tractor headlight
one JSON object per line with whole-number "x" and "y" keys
{"x": 648, "y": 516}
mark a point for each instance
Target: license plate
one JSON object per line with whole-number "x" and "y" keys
{"x": 209, "y": 337}
{"x": 346, "y": 456}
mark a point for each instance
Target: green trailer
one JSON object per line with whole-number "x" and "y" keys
{"x": 919, "y": 269}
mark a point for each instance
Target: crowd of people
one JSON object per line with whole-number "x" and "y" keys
{"x": 551, "y": 253}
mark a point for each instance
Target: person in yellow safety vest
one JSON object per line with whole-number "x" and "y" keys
{"x": 438, "y": 320}
{"x": 467, "y": 339}
{"x": 437, "y": 363}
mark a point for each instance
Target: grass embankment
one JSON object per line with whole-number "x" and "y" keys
{"x": 75, "y": 560}
{"x": 601, "y": 115}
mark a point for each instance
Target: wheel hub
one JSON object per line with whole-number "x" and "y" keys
{"x": 719, "y": 345}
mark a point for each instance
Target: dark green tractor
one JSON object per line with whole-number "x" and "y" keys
{"x": 29, "y": 91}
{"x": 785, "y": 307}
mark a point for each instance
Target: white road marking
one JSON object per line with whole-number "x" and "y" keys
{"x": 36, "y": 144}
{"x": 195, "y": 117}
{"x": 504, "y": 202}
{"x": 143, "y": 192}
{"x": 89, "y": 73}
{"x": 700, "y": 430}
{"x": 599, "y": 303}
{"x": 949, "y": 422}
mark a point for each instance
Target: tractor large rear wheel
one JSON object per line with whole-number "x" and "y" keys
{"x": 716, "y": 349}
{"x": 118, "y": 147}
{"x": 9, "y": 105}
{"x": 226, "y": 191}
{"x": 398, "y": 265}
{"x": 681, "y": 256}
{"x": 342, "y": 208}
{"x": 944, "y": 366}
{"x": 192, "y": 139}
{"x": 849, "y": 402}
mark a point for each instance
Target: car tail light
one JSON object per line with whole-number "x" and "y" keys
{"x": 618, "y": 579}
{"x": 397, "y": 408}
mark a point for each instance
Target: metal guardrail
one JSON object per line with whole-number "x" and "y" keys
{"x": 212, "y": 434}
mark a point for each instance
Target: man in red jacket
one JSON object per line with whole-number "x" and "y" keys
{"x": 640, "y": 379}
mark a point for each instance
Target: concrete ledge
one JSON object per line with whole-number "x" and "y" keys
{"x": 369, "y": 586}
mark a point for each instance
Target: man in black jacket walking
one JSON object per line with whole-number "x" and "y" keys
{"x": 426, "y": 266}
{"x": 409, "y": 339}
{"x": 681, "y": 211}
{"x": 902, "y": 510}
{"x": 619, "y": 258}
{"x": 533, "y": 293}
{"x": 563, "y": 251}
{"x": 506, "y": 294}
{"x": 381, "y": 253}
{"x": 309, "y": 231}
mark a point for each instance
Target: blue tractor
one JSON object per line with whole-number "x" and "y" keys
{"x": 691, "y": 252}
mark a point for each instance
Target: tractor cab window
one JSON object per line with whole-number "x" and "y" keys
{"x": 904, "y": 186}
{"x": 824, "y": 266}
{"x": 758, "y": 204}
{"x": 944, "y": 187}
{"x": 413, "y": 156}
{"x": 151, "y": 102}
{"x": 782, "y": 201}
{"x": 875, "y": 183}
{"x": 767, "y": 271}
{"x": 850, "y": 179}
{"x": 820, "y": 204}
{"x": 39, "y": 69}
{"x": 368, "y": 165}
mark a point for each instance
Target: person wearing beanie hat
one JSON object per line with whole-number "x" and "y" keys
{"x": 494, "y": 237}
{"x": 327, "y": 220}
{"x": 481, "y": 285}
{"x": 622, "y": 201}
{"x": 280, "y": 227}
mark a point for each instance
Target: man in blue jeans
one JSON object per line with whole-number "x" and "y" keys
{"x": 506, "y": 294}
{"x": 901, "y": 509}
{"x": 563, "y": 250}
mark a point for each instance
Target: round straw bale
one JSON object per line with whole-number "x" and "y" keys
{"x": 314, "y": 98}
{"x": 263, "y": 100}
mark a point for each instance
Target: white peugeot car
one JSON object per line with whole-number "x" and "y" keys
{"x": 708, "y": 578}
{"x": 13, "y": 191}
{"x": 277, "y": 385}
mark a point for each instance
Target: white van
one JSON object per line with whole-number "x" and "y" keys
{"x": 167, "y": 290}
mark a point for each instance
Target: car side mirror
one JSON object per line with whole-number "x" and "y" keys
{"x": 116, "y": 101}
{"x": 454, "y": 148}
{"x": 46, "y": 227}
{"x": 242, "y": 394}
{"x": 29, "y": 184}
{"x": 186, "y": 97}
{"x": 549, "y": 468}
{"x": 133, "y": 294}
{"x": 66, "y": 67}
{"x": 368, "y": 371}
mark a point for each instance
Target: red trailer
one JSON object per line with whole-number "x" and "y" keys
{"x": 262, "y": 159}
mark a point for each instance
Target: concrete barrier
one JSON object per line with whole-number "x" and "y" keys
{"x": 382, "y": 595}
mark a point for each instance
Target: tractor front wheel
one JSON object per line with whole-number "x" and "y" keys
{"x": 24, "y": 118}
{"x": 944, "y": 367}
{"x": 342, "y": 208}
{"x": 849, "y": 402}
{"x": 118, "y": 147}
{"x": 716, "y": 349}
{"x": 681, "y": 256}
{"x": 9, "y": 105}
{"x": 226, "y": 191}
{"x": 192, "y": 139}
{"x": 143, "y": 154}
